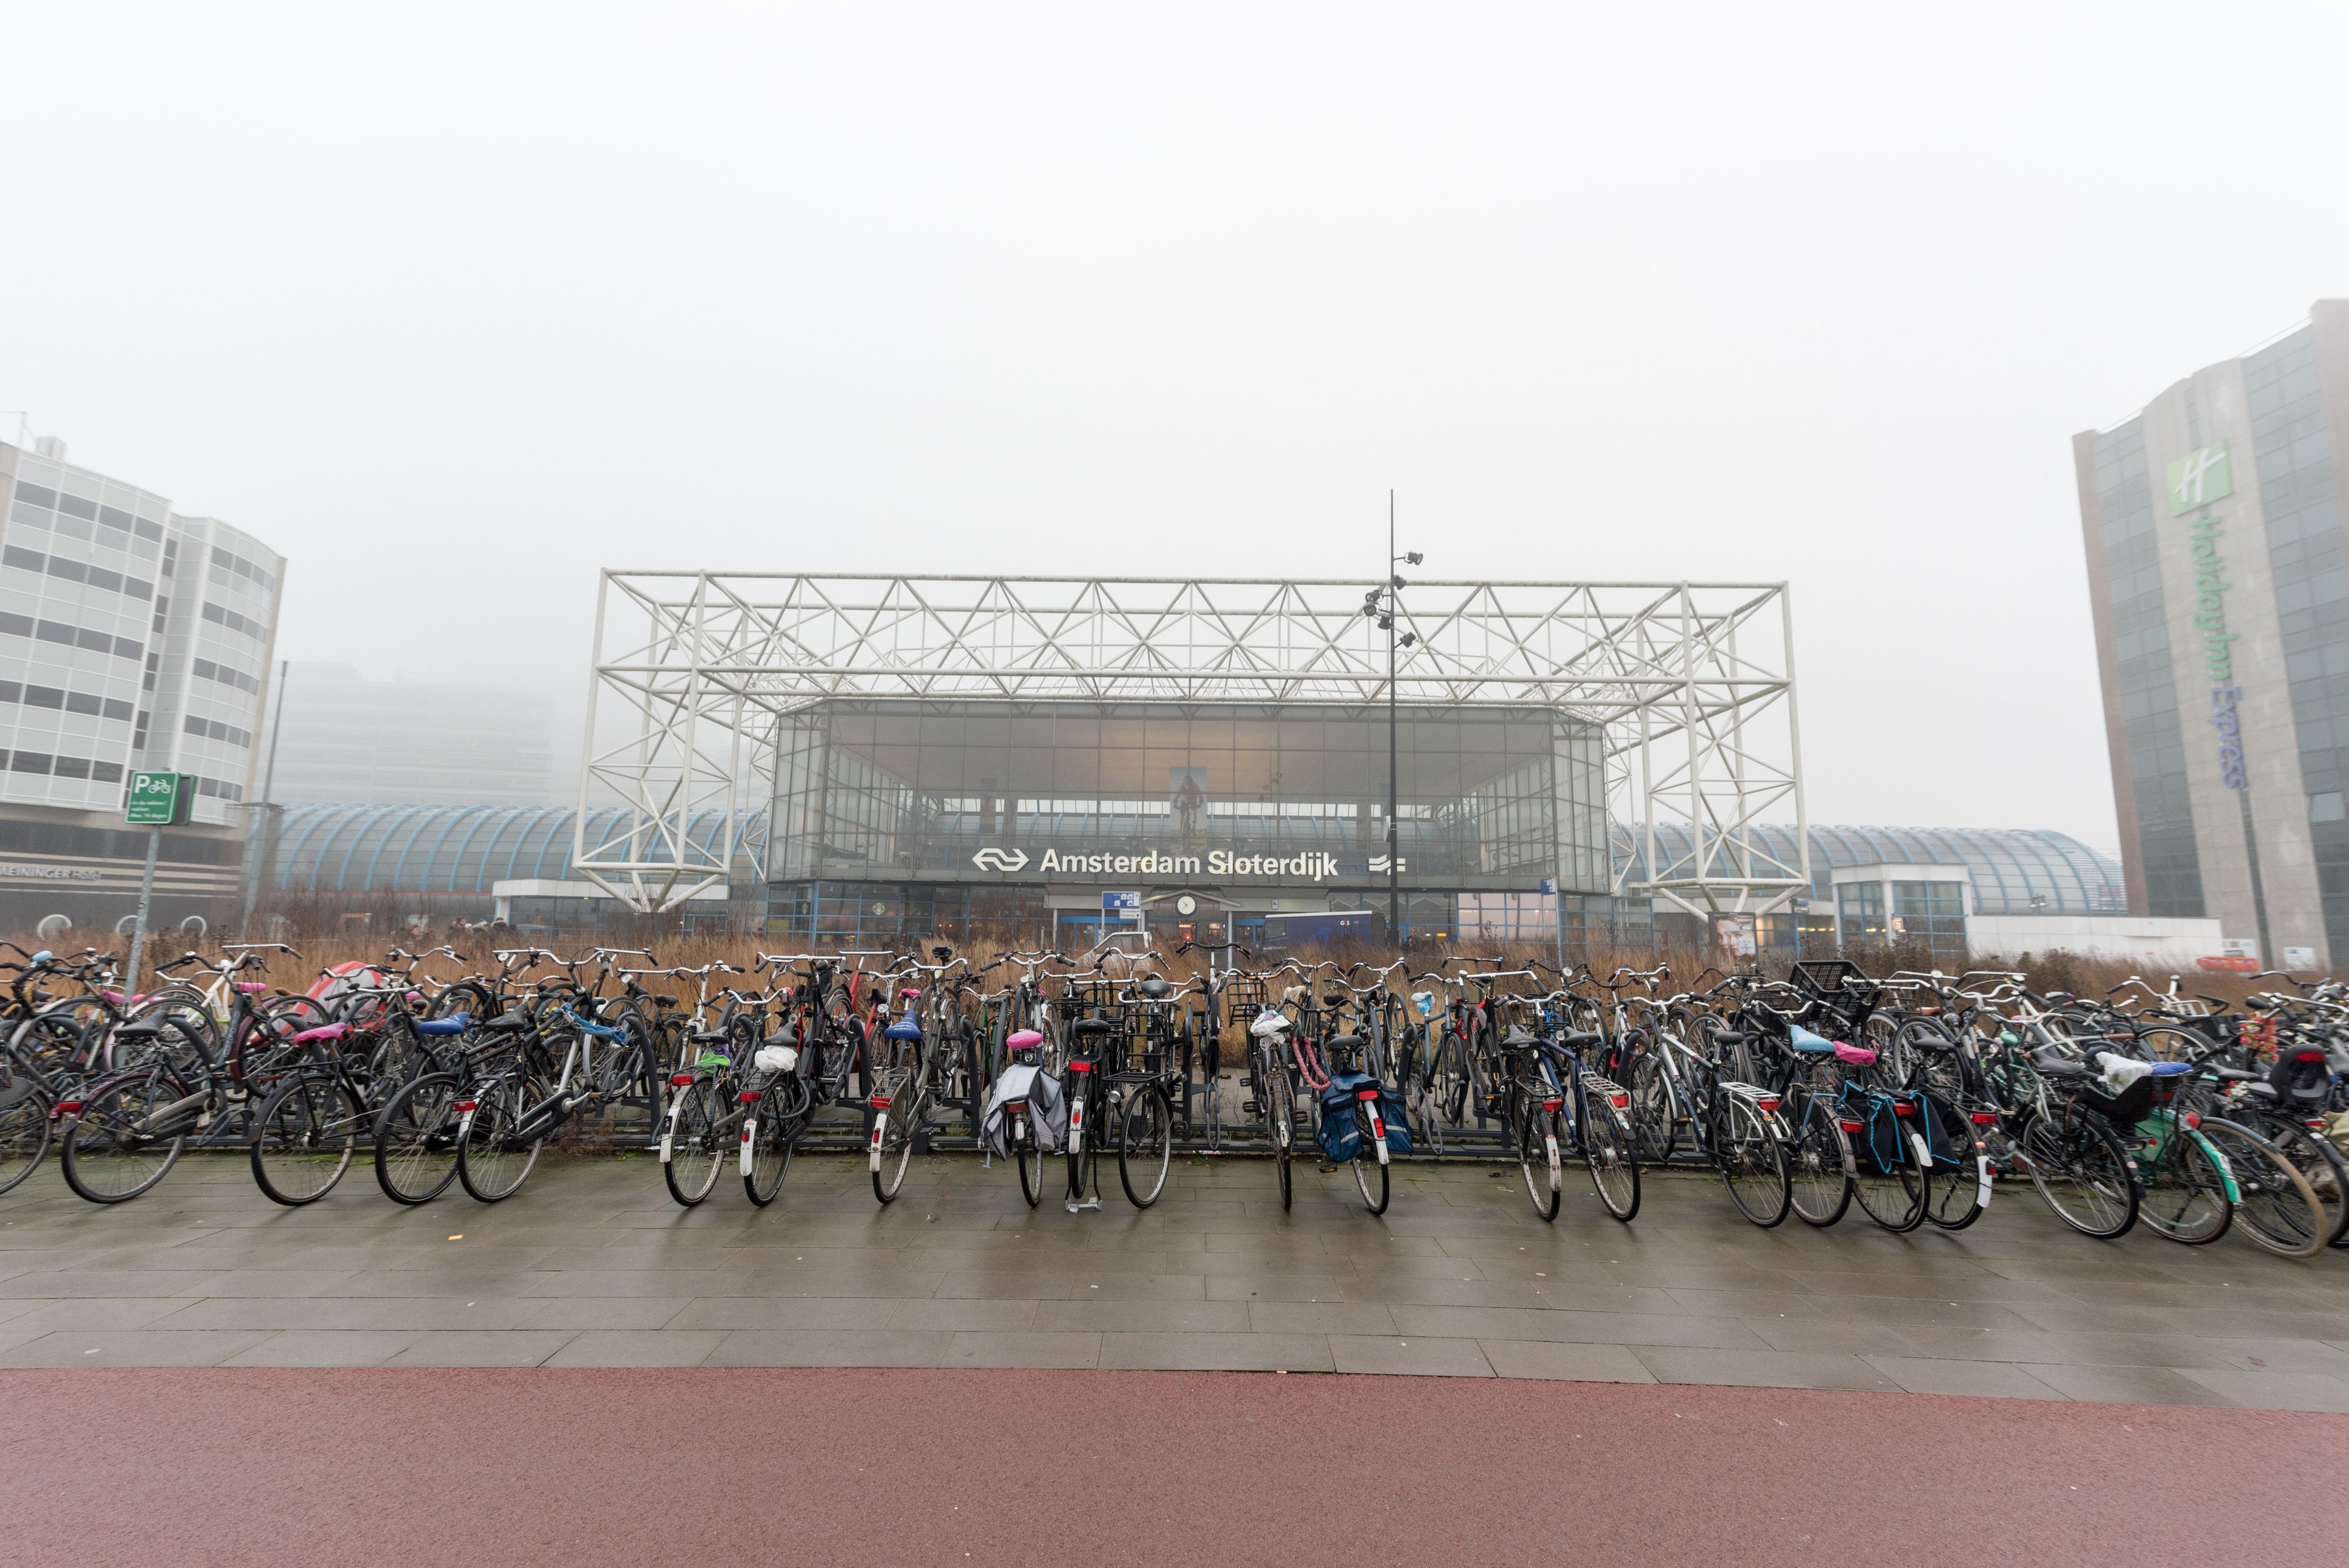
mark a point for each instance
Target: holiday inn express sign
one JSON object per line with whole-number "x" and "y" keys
{"x": 2199, "y": 477}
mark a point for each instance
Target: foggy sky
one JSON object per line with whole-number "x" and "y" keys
{"x": 456, "y": 304}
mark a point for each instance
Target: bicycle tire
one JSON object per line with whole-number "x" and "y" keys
{"x": 1375, "y": 1189}
{"x": 1536, "y": 1142}
{"x": 894, "y": 1147}
{"x": 1607, "y": 1151}
{"x": 772, "y": 1137}
{"x": 2276, "y": 1204}
{"x": 1655, "y": 1108}
{"x": 691, "y": 1171}
{"x": 1030, "y": 1162}
{"x": 2081, "y": 1170}
{"x": 491, "y": 1166}
{"x": 2327, "y": 1170}
{"x": 2185, "y": 1190}
{"x": 468, "y": 996}
{"x": 304, "y": 1140}
{"x": 1145, "y": 1147}
{"x": 1957, "y": 1192}
{"x": 105, "y": 1159}
{"x": 416, "y": 1139}
{"x": 1818, "y": 1160}
{"x": 1449, "y": 1080}
{"x": 1281, "y": 1126}
{"x": 1888, "y": 1179}
{"x": 25, "y": 1125}
{"x": 1751, "y": 1159}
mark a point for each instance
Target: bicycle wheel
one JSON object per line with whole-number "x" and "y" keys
{"x": 892, "y": 1144}
{"x": 1607, "y": 1149}
{"x": 2275, "y": 1203}
{"x": 416, "y": 1140}
{"x": 302, "y": 1139}
{"x": 468, "y": 996}
{"x": 1655, "y": 1110}
{"x": 492, "y": 1160}
{"x": 769, "y": 1141}
{"x": 1752, "y": 1161}
{"x": 1958, "y": 1189}
{"x": 1888, "y": 1177}
{"x": 2081, "y": 1170}
{"x": 2185, "y": 1190}
{"x": 114, "y": 1151}
{"x": 1819, "y": 1159}
{"x": 23, "y": 1123}
{"x": 1145, "y": 1146}
{"x": 1281, "y": 1123}
{"x": 2327, "y": 1172}
{"x": 1370, "y": 1176}
{"x": 1031, "y": 1161}
{"x": 1538, "y": 1158}
{"x": 1448, "y": 1080}
{"x": 690, "y": 1142}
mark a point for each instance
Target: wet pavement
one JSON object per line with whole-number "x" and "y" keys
{"x": 593, "y": 1265}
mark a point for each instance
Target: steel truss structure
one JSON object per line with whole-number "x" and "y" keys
{"x": 1693, "y": 684}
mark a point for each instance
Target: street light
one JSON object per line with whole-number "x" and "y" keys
{"x": 1384, "y": 606}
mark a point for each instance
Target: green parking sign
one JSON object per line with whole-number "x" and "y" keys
{"x": 161, "y": 799}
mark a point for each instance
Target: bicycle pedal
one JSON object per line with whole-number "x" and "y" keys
{"x": 1079, "y": 1208}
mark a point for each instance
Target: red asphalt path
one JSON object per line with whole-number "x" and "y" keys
{"x": 880, "y": 1468}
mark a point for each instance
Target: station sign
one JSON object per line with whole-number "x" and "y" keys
{"x": 1313, "y": 865}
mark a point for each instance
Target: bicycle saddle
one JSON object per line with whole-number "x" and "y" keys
{"x": 1090, "y": 1028}
{"x": 1024, "y": 1040}
{"x": 903, "y": 1029}
{"x": 1157, "y": 989}
{"x": 513, "y": 1019}
{"x": 665, "y": 1001}
{"x": 1804, "y": 1040}
{"x": 2052, "y": 1063}
{"x": 454, "y": 1024}
{"x": 2230, "y": 1074}
{"x": 326, "y": 1032}
{"x": 1579, "y": 1038}
{"x": 138, "y": 1029}
{"x": 1345, "y": 1043}
{"x": 1854, "y": 1055}
{"x": 1518, "y": 1039}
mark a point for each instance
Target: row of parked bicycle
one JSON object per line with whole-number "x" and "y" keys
{"x": 1906, "y": 1096}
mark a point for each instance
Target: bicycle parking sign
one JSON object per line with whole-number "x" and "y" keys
{"x": 160, "y": 799}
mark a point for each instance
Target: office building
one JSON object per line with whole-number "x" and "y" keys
{"x": 2219, "y": 579}
{"x": 130, "y": 638}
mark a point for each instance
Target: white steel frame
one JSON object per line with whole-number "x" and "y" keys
{"x": 1691, "y": 683}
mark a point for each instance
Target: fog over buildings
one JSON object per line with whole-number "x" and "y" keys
{"x": 453, "y": 307}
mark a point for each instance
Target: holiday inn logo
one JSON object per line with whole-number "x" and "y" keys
{"x": 2199, "y": 477}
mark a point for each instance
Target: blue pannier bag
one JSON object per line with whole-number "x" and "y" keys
{"x": 1391, "y": 1111}
{"x": 1342, "y": 1130}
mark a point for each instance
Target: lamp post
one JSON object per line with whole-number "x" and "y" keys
{"x": 1385, "y": 605}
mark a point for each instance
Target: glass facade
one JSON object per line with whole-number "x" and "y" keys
{"x": 2300, "y": 497}
{"x": 2012, "y": 870}
{"x": 879, "y": 804}
{"x": 2148, "y": 688}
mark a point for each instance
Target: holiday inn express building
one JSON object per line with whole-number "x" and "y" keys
{"x": 2219, "y": 574}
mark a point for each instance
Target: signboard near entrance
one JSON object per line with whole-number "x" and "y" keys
{"x": 161, "y": 799}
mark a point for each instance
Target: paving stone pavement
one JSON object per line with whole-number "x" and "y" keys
{"x": 593, "y": 1265}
